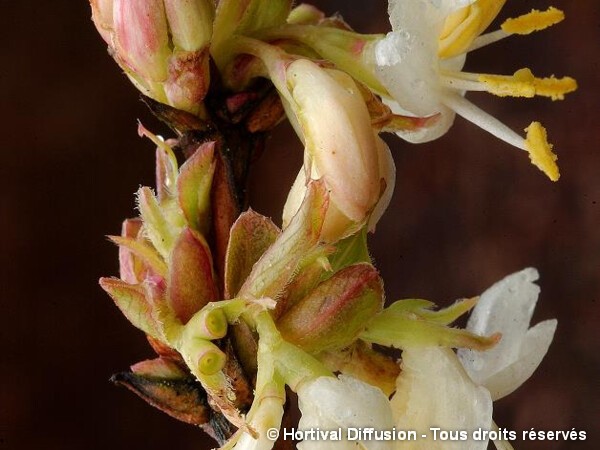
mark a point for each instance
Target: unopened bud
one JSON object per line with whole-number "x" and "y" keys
{"x": 341, "y": 147}
{"x": 162, "y": 45}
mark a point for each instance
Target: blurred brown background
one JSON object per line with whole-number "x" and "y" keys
{"x": 467, "y": 210}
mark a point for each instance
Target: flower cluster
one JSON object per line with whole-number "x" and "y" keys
{"x": 237, "y": 309}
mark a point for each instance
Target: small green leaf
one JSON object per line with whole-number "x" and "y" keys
{"x": 194, "y": 186}
{"x": 411, "y": 323}
{"x": 251, "y": 235}
{"x": 133, "y": 303}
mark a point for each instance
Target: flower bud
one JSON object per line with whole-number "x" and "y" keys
{"x": 162, "y": 45}
{"x": 341, "y": 147}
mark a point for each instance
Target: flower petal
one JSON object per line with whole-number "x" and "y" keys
{"x": 433, "y": 390}
{"x": 506, "y": 307}
{"x": 534, "y": 348}
{"x": 406, "y": 59}
{"x": 431, "y": 132}
{"x": 328, "y": 403}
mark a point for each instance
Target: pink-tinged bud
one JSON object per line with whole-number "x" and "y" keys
{"x": 162, "y": 45}
{"x": 142, "y": 37}
{"x": 191, "y": 282}
{"x": 102, "y": 15}
{"x": 335, "y": 312}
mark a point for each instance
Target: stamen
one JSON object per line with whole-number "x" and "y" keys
{"x": 536, "y": 144}
{"x": 540, "y": 150}
{"x": 524, "y": 84}
{"x": 525, "y": 24}
{"x": 533, "y": 21}
{"x": 521, "y": 84}
{"x": 487, "y": 39}
{"x": 489, "y": 123}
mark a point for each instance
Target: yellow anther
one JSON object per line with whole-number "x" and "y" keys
{"x": 533, "y": 21}
{"x": 524, "y": 84}
{"x": 540, "y": 150}
{"x": 555, "y": 88}
{"x": 464, "y": 25}
{"x": 521, "y": 84}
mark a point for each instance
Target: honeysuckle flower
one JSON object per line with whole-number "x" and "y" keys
{"x": 420, "y": 64}
{"x": 507, "y": 307}
{"x": 433, "y": 390}
{"x": 162, "y": 45}
{"x": 329, "y": 403}
{"x": 341, "y": 148}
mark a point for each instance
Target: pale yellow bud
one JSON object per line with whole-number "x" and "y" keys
{"x": 341, "y": 147}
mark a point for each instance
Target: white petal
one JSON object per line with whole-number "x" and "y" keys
{"x": 433, "y": 390}
{"x": 506, "y": 307}
{"x": 407, "y": 65}
{"x": 534, "y": 348}
{"x": 407, "y": 62}
{"x": 443, "y": 124}
{"x": 387, "y": 171}
{"x": 329, "y": 403}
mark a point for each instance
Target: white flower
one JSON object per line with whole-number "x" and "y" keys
{"x": 433, "y": 390}
{"x": 420, "y": 64}
{"x": 507, "y": 307}
{"x": 330, "y": 403}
